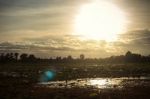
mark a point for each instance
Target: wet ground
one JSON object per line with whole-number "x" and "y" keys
{"x": 24, "y": 85}
{"x": 100, "y": 83}
{"x": 20, "y": 87}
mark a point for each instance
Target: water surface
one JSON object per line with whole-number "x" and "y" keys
{"x": 101, "y": 83}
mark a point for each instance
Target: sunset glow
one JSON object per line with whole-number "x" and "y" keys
{"x": 100, "y": 20}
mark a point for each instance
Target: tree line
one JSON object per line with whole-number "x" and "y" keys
{"x": 129, "y": 57}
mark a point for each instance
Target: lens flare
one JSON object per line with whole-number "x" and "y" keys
{"x": 47, "y": 76}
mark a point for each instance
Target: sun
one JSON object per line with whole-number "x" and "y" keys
{"x": 100, "y": 20}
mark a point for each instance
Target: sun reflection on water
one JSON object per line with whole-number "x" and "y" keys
{"x": 98, "y": 82}
{"x": 104, "y": 83}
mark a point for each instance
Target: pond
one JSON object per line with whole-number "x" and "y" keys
{"x": 101, "y": 83}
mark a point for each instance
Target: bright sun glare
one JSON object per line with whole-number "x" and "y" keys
{"x": 100, "y": 20}
{"x": 98, "y": 82}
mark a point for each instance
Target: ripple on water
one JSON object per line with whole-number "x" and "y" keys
{"x": 101, "y": 83}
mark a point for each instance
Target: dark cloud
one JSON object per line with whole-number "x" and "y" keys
{"x": 26, "y": 4}
{"x": 136, "y": 41}
{"x": 10, "y": 46}
{"x": 41, "y": 51}
{"x": 8, "y": 4}
{"x": 53, "y": 46}
{"x": 142, "y": 36}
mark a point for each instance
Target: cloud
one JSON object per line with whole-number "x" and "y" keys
{"x": 36, "y": 3}
{"x": 44, "y": 27}
{"x": 137, "y": 12}
{"x": 136, "y": 41}
{"x": 56, "y": 46}
{"x": 57, "y": 16}
{"x": 54, "y": 16}
{"x": 137, "y": 36}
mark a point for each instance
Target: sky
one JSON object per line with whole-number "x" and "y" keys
{"x": 45, "y": 27}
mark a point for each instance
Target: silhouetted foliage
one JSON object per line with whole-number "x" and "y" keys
{"x": 24, "y": 57}
{"x": 69, "y": 57}
{"x": 129, "y": 57}
{"x": 82, "y": 56}
{"x": 16, "y": 56}
{"x": 31, "y": 58}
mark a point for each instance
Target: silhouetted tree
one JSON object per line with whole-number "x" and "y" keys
{"x": 69, "y": 57}
{"x": 2, "y": 57}
{"x": 82, "y": 56}
{"x": 58, "y": 58}
{"x": 132, "y": 57}
{"x": 31, "y": 58}
{"x": 24, "y": 57}
{"x": 128, "y": 54}
{"x": 11, "y": 57}
{"x": 128, "y": 57}
{"x": 16, "y": 56}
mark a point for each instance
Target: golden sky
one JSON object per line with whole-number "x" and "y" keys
{"x": 47, "y": 27}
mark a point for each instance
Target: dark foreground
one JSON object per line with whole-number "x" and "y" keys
{"x": 20, "y": 89}
{"x": 20, "y": 82}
